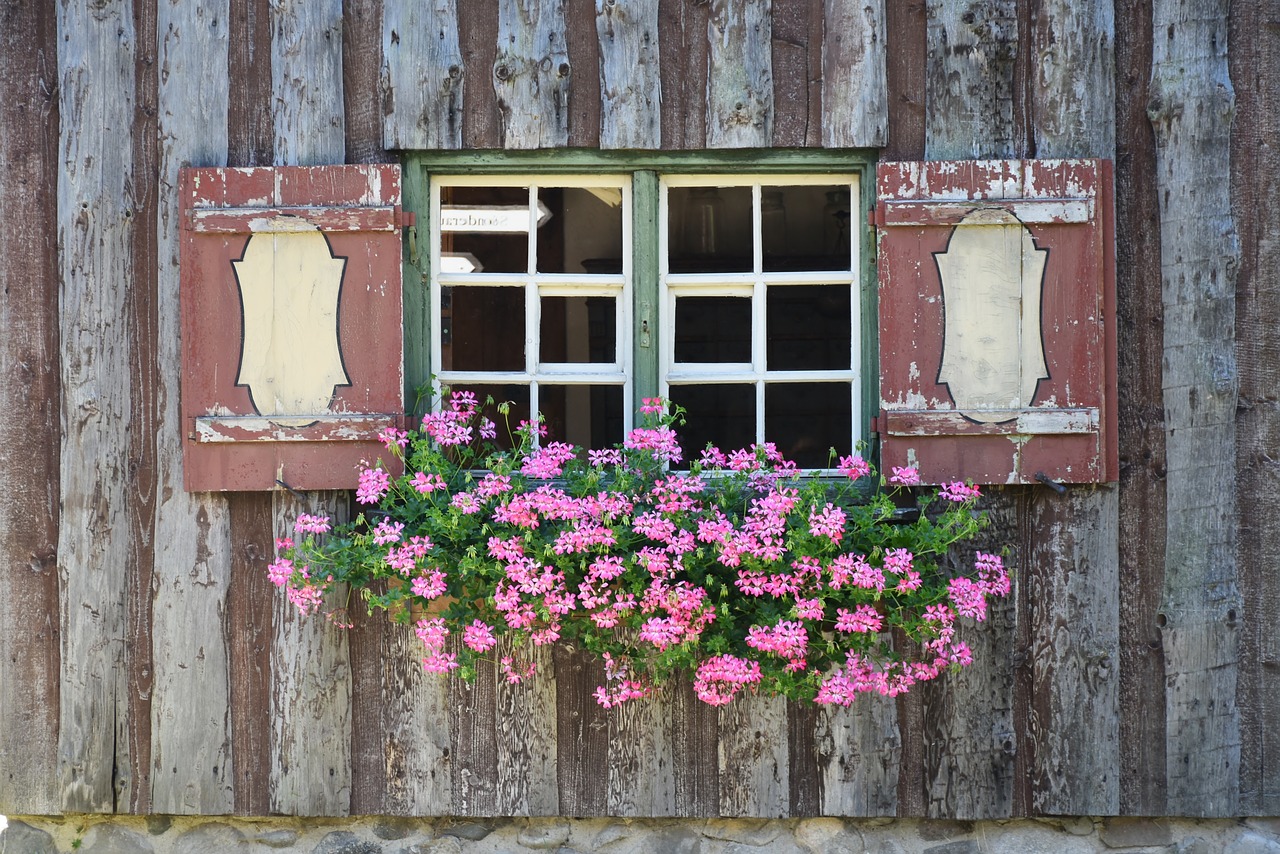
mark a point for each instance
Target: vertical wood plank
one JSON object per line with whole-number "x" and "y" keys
{"x": 753, "y": 757}
{"x": 1073, "y": 568}
{"x": 1255, "y": 168}
{"x": 906, "y": 31}
{"x": 683, "y": 44}
{"x": 583, "y": 770}
{"x": 412, "y": 728}
{"x": 641, "y": 758}
{"x": 531, "y": 74}
{"x": 191, "y": 705}
{"x": 739, "y": 75}
{"x": 1139, "y": 318}
{"x": 250, "y": 621}
{"x": 425, "y": 75}
{"x": 971, "y": 80}
{"x": 472, "y": 712}
{"x": 695, "y": 736}
{"x": 858, "y": 757}
{"x": 525, "y": 731}
{"x": 250, "y": 129}
{"x": 362, "y": 69}
{"x": 310, "y": 689}
{"x": 306, "y": 74}
{"x": 478, "y": 38}
{"x": 855, "y": 98}
{"x": 96, "y": 94}
{"x": 583, "y": 47}
{"x": 1191, "y": 111}
{"x": 630, "y": 74}
{"x": 29, "y": 425}
{"x": 797, "y": 47}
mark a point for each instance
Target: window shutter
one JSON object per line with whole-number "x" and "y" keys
{"x": 997, "y": 320}
{"x": 291, "y": 323}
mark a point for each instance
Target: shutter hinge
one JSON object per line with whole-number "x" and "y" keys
{"x": 879, "y": 423}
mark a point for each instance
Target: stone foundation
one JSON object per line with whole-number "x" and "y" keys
{"x": 386, "y": 835}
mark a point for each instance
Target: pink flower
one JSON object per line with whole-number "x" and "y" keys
{"x": 969, "y": 598}
{"x": 854, "y": 467}
{"x": 373, "y": 485}
{"x": 426, "y": 483}
{"x": 719, "y": 679}
{"x": 393, "y": 438}
{"x": 431, "y": 586}
{"x": 440, "y": 662}
{"x": 488, "y": 430}
{"x": 828, "y": 522}
{"x": 905, "y": 476}
{"x": 479, "y": 636}
{"x": 307, "y": 524}
{"x": 652, "y": 405}
{"x": 959, "y": 491}
{"x": 863, "y": 618}
{"x": 387, "y": 532}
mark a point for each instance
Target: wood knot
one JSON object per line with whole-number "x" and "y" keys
{"x": 502, "y": 72}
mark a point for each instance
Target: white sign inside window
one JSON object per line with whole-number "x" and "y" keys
{"x": 490, "y": 219}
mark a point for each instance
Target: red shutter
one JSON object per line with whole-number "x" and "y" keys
{"x": 997, "y": 320}
{"x": 291, "y": 324}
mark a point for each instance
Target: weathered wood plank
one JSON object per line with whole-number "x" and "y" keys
{"x": 424, "y": 84}
{"x": 753, "y": 757}
{"x": 906, "y": 33}
{"x": 531, "y": 74}
{"x": 478, "y": 38}
{"x": 583, "y": 47}
{"x": 96, "y": 95}
{"x": 630, "y": 74}
{"x": 191, "y": 732}
{"x": 250, "y": 129}
{"x": 525, "y": 731}
{"x": 1255, "y": 188}
{"x": 472, "y": 711}
{"x": 683, "y": 45}
{"x": 855, "y": 95}
{"x": 362, "y": 67}
{"x": 412, "y": 728}
{"x": 1073, "y": 571}
{"x": 29, "y": 426}
{"x": 797, "y": 47}
{"x": 306, "y": 74}
{"x": 1191, "y": 109}
{"x": 310, "y": 688}
{"x": 1139, "y": 318}
{"x": 250, "y": 627}
{"x": 582, "y": 735}
{"x": 739, "y": 75}
{"x": 641, "y": 759}
{"x": 695, "y": 735}
{"x": 858, "y": 757}
{"x": 971, "y": 80}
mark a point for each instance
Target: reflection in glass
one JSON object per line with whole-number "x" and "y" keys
{"x": 709, "y": 229}
{"x": 583, "y": 233}
{"x": 809, "y": 328}
{"x": 589, "y": 416}
{"x": 486, "y": 226}
{"x": 713, "y": 329}
{"x": 482, "y": 329}
{"x": 806, "y": 420}
{"x": 578, "y": 329}
{"x": 723, "y": 415}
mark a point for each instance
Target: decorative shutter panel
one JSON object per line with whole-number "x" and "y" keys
{"x": 291, "y": 323}
{"x": 997, "y": 320}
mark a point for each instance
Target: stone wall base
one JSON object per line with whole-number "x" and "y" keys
{"x": 386, "y": 835}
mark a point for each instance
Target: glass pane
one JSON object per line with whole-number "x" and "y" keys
{"x": 515, "y": 395}
{"x": 723, "y": 415}
{"x": 484, "y": 229}
{"x": 709, "y": 229}
{"x": 809, "y": 328}
{"x": 713, "y": 329}
{"x": 806, "y": 420}
{"x": 589, "y": 416}
{"x": 583, "y": 233}
{"x": 806, "y": 228}
{"x": 579, "y": 329}
{"x": 481, "y": 329}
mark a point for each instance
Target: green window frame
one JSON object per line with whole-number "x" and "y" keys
{"x": 649, "y": 174}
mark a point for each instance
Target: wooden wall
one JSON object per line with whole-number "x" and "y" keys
{"x": 147, "y": 666}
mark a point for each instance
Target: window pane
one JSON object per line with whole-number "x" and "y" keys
{"x": 484, "y": 229}
{"x": 805, "y": 420}
{"x": 809, "y": 328}
{"x": 482, "y": 329}
{"x": 724, "y": 415}
{"x": 579, "y": 329}
{"x": 589, "y": 416}
{"x": 515, "y": 395}
{"x": 806, "y": 228}
{"x": 713, "y": 329}
{"x": 584, "y": 231}
{"x": 709, "y": 229}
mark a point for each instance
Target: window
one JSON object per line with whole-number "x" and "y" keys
{"x": 739, "y": 295}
